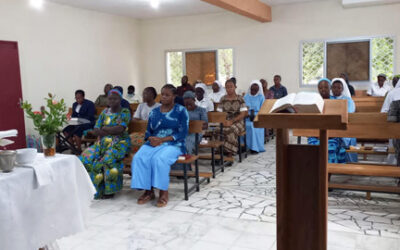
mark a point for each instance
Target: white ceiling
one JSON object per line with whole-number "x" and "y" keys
{"x": 141, "y": 9}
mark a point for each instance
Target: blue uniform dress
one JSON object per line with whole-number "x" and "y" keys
{"x": 254, "y": 136}
{"x": 337, "y": 146}
{"x": 347, "y": 142}
{"x": 151, "y": 165}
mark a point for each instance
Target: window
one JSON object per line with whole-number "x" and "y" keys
{"x": 315, "y": 63}
{"x": 178, "y": 65}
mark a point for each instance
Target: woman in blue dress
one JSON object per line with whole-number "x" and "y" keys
{"x": 167, "y": 129}
{"x": 340, "y": 91}
{"x": 254, "y": 100}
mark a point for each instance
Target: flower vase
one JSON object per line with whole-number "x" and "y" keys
{"x": 49, "y": 144}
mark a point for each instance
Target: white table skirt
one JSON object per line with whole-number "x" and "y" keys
{"x": 31, "y": 218}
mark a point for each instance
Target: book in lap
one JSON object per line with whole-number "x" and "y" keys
{"x": 302, "y": 102}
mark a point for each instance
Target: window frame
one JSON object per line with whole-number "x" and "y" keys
{"x": 184, "y": 51}
{"x": 341, "y": 40}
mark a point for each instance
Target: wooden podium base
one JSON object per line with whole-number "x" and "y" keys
{"x": 302, "y": 191}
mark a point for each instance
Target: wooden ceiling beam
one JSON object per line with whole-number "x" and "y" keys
{"x": 254, "y": 9}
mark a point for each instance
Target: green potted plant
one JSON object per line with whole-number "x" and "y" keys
{"x": 48, "y": 122}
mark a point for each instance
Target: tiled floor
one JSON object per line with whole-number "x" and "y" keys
{"x": 235, "y": 211}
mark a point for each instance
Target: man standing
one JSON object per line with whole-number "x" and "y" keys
{"x": 379, "y": 88}
{"x": 278, "y": 90}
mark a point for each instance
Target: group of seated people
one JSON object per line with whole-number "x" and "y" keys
{"x": 85, "y": 109}
{"x": 167, "y": 135}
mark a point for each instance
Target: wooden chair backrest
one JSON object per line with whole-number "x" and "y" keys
{"x": 216, "y": 104}
{"x": 361, "y": 125}
{"x": 196, "y": 127}
{"x": 158, "y": 98}
{"x": 368, "y": 104}
{"x": 99, "y": 110}
{"x": 217, "y": 117}
{"x": 134, "y": 106}
{"x": 360, "y": 93}
{"x": 137, "y": 127}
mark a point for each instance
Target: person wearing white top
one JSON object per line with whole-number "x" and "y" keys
{"x": 393, "y": 95}
{"x": 131, "y": 97}
{"x": 201, "y": 99}
{"x": 144, "y": 109}
{"x": 218, "y": 91}
{"x": 379, "y": 88}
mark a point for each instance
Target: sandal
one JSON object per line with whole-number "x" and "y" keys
{"x": 163, "y": 199}
{"x": 146, "y": 197}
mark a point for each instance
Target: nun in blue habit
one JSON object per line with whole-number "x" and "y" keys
{"x": 254, "y": 100}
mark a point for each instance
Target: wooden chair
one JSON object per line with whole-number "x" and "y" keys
{"x": 134, "y": 128}
{"x": 217, "y": 118}
{"x": 195, "y": 127}
{"x": 134, "y": 107}
{"x": 158, "y": 98}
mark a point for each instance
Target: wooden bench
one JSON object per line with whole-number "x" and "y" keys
{"x": 368, "y": 104}
{"x": 364, "y": 170}
{"x": 362, "y": 125}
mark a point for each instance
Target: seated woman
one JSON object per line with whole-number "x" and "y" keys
{"x": 166, "y": 132}
{"x": 196, "y": 113}
{"x": 149, "y": 103}
{"x": 218, "y": 92}
{"x": 254, "y": 100}
{"x": 103, "y": 160}
{"x": 235, "y": 106}
{"x": 202, "y": 99}
{"x": 85, "y": 109}
{"x": 341, "y": 91}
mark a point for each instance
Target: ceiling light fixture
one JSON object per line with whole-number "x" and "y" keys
{"x": 155, "y": 3}
{"x": 37, "y": 4}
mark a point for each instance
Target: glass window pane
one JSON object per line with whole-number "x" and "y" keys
{"x": 225, "y": 64}
{"x": 312, "y": 62}
{"x": 174, "y": 67}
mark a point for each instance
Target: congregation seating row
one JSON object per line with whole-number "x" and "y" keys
{"x": 362, "y": 126}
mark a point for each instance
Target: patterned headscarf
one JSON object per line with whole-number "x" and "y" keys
{"x": 115, "y": 91}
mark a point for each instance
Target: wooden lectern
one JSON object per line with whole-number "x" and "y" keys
{"x": 301, "y": 174}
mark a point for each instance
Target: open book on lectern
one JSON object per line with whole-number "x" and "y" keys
{"x": 302, "y": 102}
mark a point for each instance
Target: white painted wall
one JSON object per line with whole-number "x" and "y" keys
{"x": 63, "y": 49}
{"x": 263, "y": 49}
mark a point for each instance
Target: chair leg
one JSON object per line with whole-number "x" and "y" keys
{"x": 196, "y": 164}
{"x": 245, "y": 146}
{"x": 213, "y": 161}
{"x": 185, "y": 179}
{"x": 222, "y": 158}
{"x": 240, "y": 150}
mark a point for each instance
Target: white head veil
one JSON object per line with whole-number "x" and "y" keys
{"x": 221, "y": 88}
{"x": 260, "y": 88}
{"x": 346, "y": 91}
{"x": 202, "y": 86}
